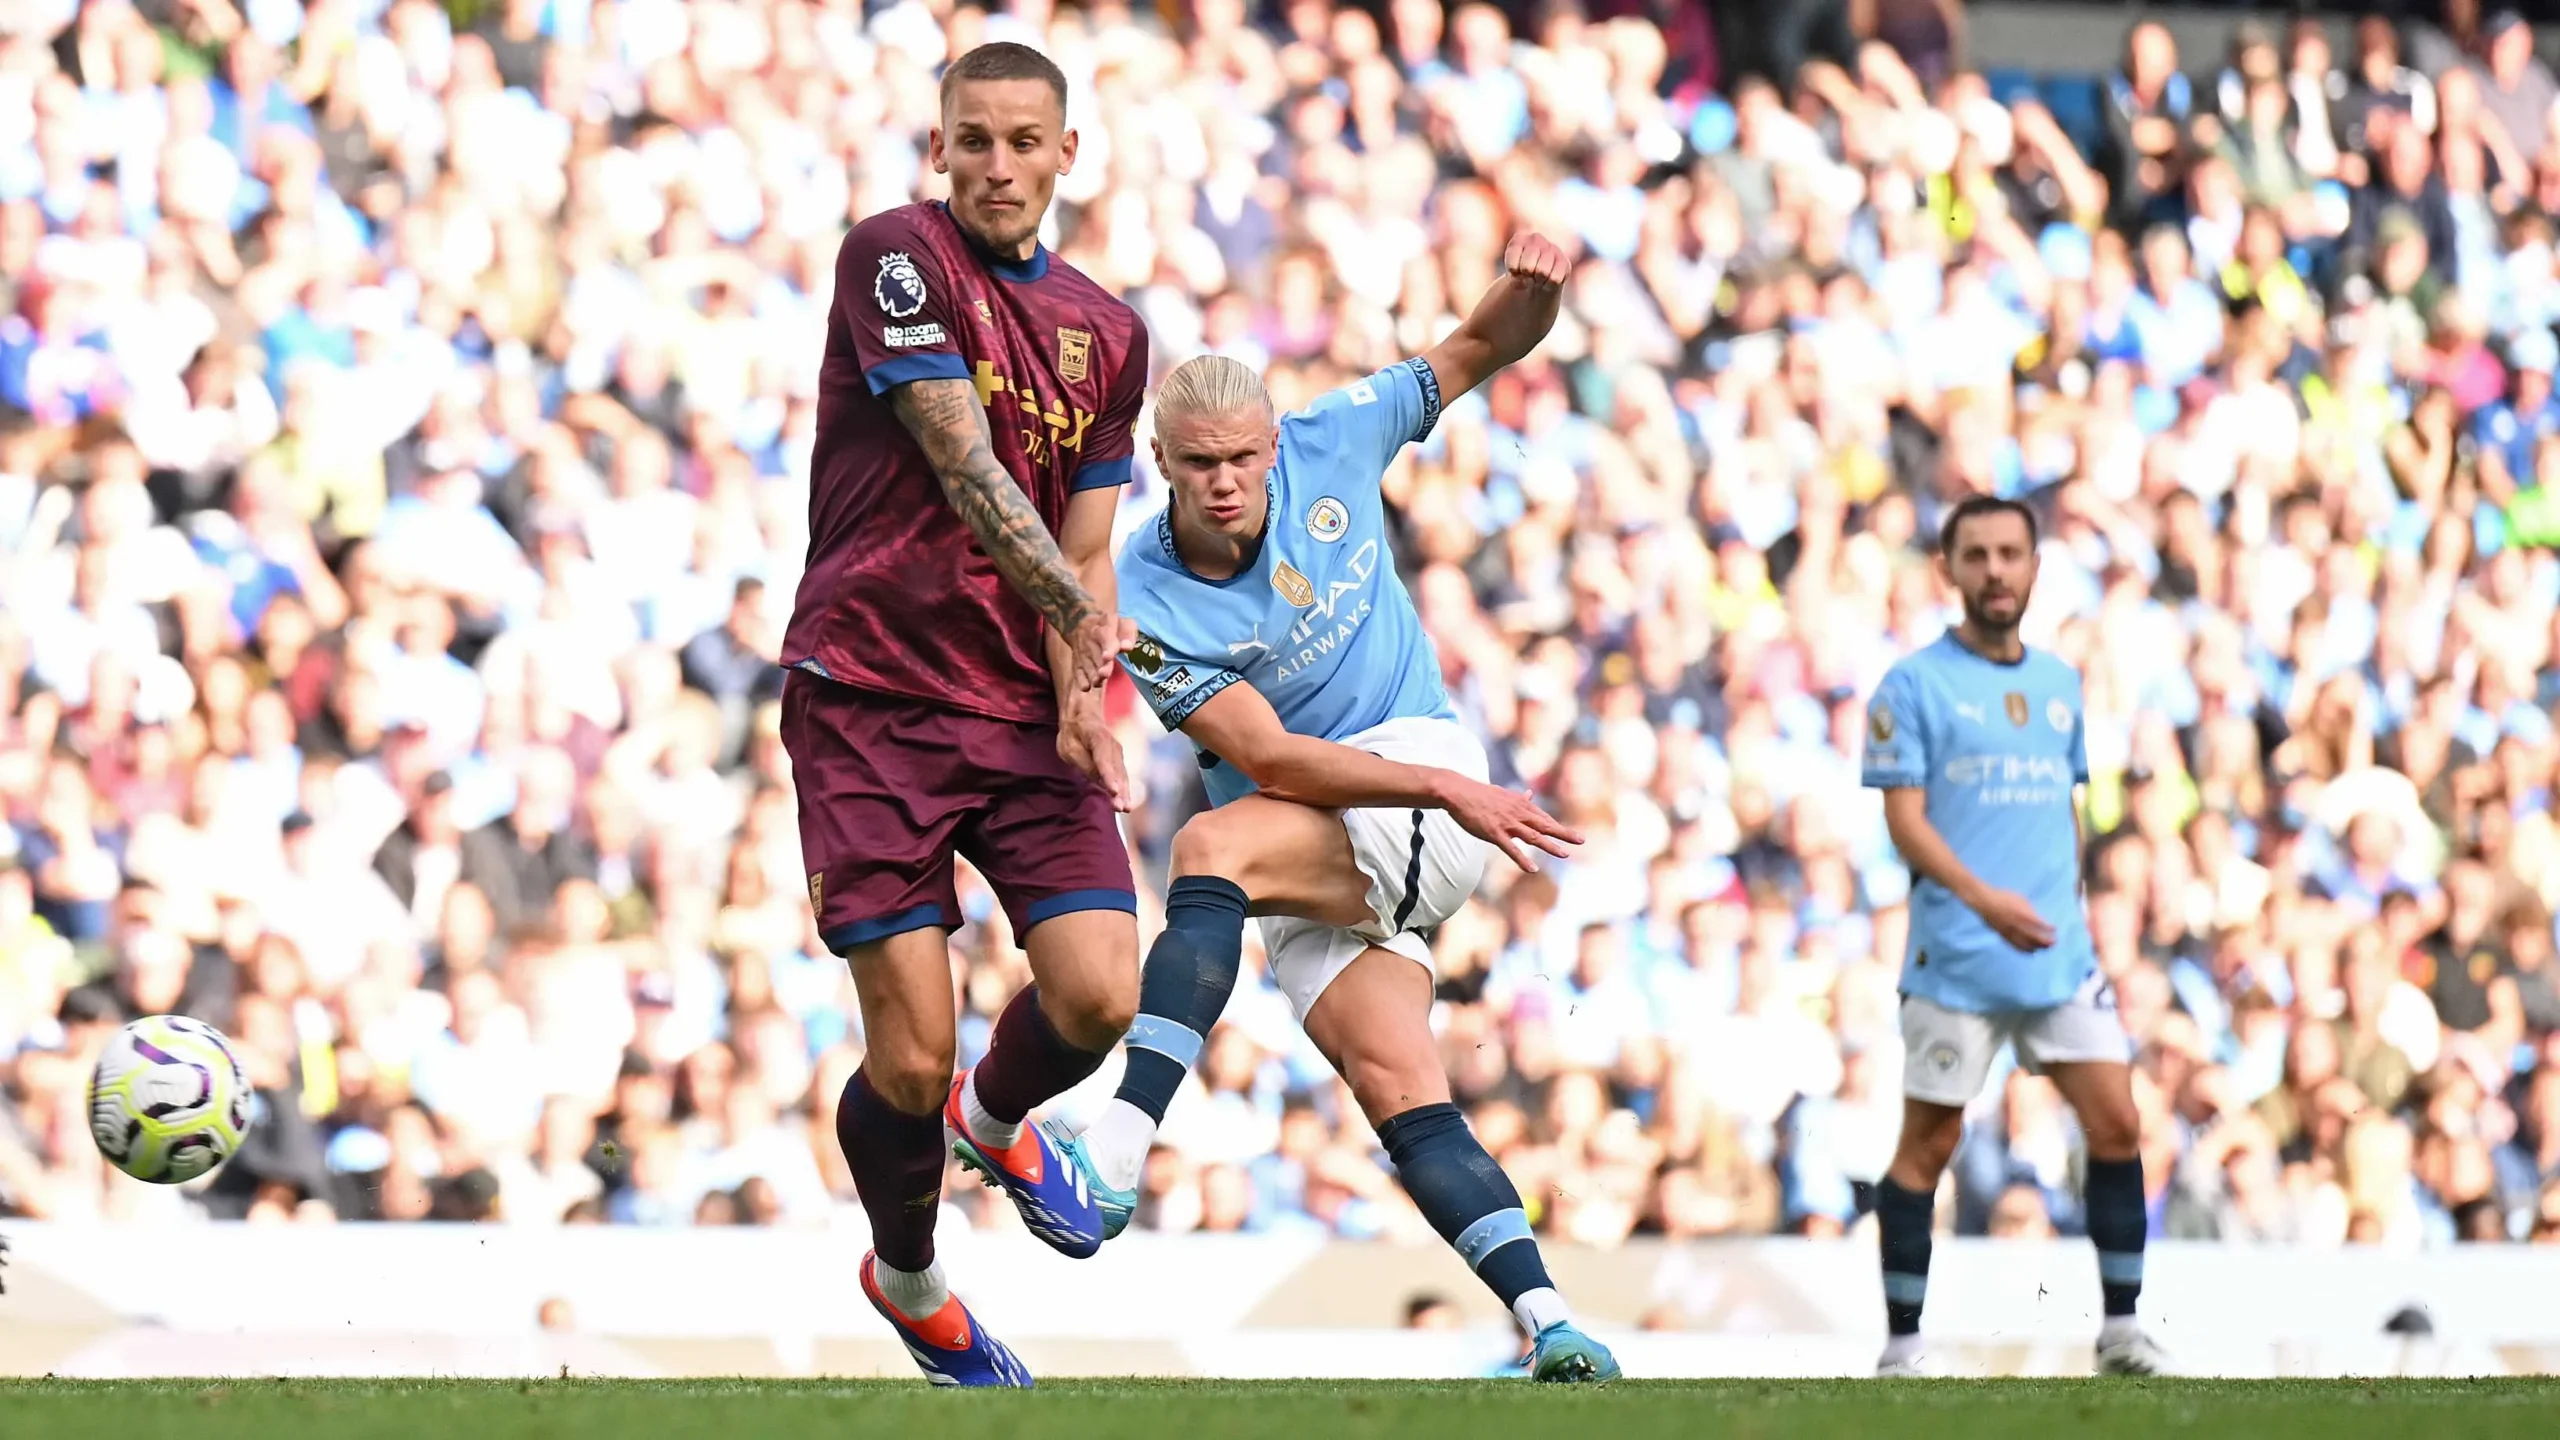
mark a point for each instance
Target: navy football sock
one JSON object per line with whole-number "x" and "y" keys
{"x": 1903, "y": 1221}
{"x": 1191, "y": 970}
{"x": 896, "y": 1159}
{"x": 2119, "y": 1221}
{"x": 1466, "y": 1197}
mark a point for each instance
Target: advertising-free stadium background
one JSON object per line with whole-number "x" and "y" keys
{"x": 404, "y": 424}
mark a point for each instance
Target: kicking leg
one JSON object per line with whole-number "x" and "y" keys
{"x": 1373, "y": 1022}
{"x": 1288, "y": 859}
{"x": 2101, "y": 1094}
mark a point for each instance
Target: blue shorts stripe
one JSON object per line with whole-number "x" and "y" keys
{"x": 1900, "y": 1289}
{"x": 863, "y": 932}
{"x": 1172, "y": 1039}
{"x": 1490, "y": 1234}
{"x": 2120, "y": 1267}
{"x": 1068, "y": 902}
{"x": 888, "y": 375}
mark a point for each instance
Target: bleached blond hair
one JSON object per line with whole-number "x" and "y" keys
{"x": 1208, "y": 385}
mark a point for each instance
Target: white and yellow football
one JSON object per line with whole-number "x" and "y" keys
{"x": 168, "y": 1101}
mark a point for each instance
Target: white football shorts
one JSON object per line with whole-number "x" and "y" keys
{"x": 1947, "y": 1053}
{"x": 1421, "y": 865}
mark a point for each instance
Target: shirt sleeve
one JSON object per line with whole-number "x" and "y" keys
{"x": 898, "y": 306}
{"x": 1111, "y": 446}
{"x": 1897, "y": 755}
{"x": 1367, "y": 421}
{"x": 1173, "y": 677}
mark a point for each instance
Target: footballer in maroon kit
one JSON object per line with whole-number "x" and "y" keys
{"x": 948, "y": 649}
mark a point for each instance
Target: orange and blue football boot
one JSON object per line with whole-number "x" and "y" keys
{"x": 1053, "y": 1191}
{"x": 949, "y": 1345}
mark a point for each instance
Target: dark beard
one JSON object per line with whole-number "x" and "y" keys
{"x": 1990, "y": 629}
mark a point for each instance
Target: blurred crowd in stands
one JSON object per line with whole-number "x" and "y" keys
{"x": 405, "y": 415}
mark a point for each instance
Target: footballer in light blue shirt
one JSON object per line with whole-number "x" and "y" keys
{"x": 1350, "y": 808}
{"x": 1978, "y": 744}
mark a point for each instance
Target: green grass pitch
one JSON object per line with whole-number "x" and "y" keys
{"x": 1286, "y": 1410}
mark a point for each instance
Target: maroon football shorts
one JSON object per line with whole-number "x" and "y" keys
{"x": 891, "y": 789}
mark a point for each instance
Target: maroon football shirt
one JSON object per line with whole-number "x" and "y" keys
{"x": 898, "y": 598}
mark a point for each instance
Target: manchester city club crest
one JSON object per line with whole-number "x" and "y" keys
{"x": 1327, "y": 521}
{"x": 899, "y": 287}
{"x": 2058, "y": 715}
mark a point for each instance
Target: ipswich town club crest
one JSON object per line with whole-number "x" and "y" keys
{"x": 899, "y": 287}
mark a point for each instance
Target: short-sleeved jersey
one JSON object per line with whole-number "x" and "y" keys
{"x": 1997, "y": 748}
{"x": 1319, "y": 622}
{"x": 898, "y": 597}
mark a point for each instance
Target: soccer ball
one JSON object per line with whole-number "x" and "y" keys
{"x": 168, "y": 1101}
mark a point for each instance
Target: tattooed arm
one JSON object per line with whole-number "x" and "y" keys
{"x": 951, "y": 426}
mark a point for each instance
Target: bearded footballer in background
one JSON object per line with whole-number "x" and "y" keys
{"x": 1978, "y": 744}
{"x": 1350, "y": 806}
{"x": 947, "y": 654}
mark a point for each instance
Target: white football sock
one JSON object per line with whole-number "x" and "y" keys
{"x": 2118, "y": 1327}
{"x": 1117, "y": 1143}
{"x": 916, "y": 1294}
{"x": 1537, "y": 1309}
{"x": 984, "y": 1128}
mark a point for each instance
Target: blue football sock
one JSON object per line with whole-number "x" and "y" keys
{"x": 2119, "y": 1221}
{"x": 1903, "y": 1223}
{"x": 1466, "y": 1197}
{"x": 1191, "y": 970}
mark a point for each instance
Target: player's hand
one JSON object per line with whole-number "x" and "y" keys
{"x": 1510, "y": 822}
{"x": 1098, "y": 644}
{"x": 1085, "y": 742}
{"x": 1535, "y": 261}
{"x": 2013, "y": 918}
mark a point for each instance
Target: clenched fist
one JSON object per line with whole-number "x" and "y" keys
{"x": 1534, "y": 260}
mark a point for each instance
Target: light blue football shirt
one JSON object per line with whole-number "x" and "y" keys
{"x": 1320, "y": 622}
{"x": 1998, "y": 748}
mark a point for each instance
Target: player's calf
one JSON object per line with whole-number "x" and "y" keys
{"x": 1257, "y": 852}
{"x": 2119, "y": 1214}
{"x": 1190, "y": 972}
{"x": 1906, "y": 1216}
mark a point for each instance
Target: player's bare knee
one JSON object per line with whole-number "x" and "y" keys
{"x": 1213, "y": 843}
{"x": 1387, "y": 1084}
{"x": 912, "y": 1074}
{"x": 1096, "y": 1013}
{"x": 2113, "y": 1132}
{"x": 1925, "y": 1151}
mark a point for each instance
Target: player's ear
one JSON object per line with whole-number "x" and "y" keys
{"x": 933, "y": 151}
{"x": 1066, "y": 152}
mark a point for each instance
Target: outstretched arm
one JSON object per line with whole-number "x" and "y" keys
{"x": 1239, "y": 726}
{"x": 950, "y": 424}
{"x": 1508, "y": 322}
